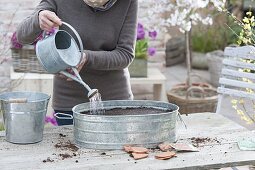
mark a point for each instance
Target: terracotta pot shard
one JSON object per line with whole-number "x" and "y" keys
{"x": 184, "y": 147}
{"x": 137, "y": 156}
{"x": 133, "y": 149}
{"x": 165, "y": 155}
{"x": 127, "y": 148}
{"x": 164, "y": 147}
{"x": 139, "y": 150}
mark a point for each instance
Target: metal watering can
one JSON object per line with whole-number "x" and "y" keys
{"x": 59, "y": 51}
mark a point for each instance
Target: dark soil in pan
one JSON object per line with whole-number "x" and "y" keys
{"x": 132, "y": 111}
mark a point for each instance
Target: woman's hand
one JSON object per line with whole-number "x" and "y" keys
{"x": 48, "y": 20}
{"x": 82, "y": 62}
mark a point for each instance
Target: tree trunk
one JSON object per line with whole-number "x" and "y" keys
{"x": 188, "y": 57}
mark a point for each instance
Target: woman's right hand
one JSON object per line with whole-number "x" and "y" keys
{"x": 48, "y": 20}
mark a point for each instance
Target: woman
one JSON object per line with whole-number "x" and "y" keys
{"x": 107, "y": 29}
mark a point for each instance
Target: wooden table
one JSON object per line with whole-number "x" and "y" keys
{"x": 221, "y": 151}
{"x": 157, "y": 79}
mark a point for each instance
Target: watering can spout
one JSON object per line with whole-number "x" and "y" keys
{"x": 92, "y": 93}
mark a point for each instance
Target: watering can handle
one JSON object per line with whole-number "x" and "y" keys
{"x": 75, "y": 33}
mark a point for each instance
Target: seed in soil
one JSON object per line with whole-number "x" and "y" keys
{"x": 132, "y": 111}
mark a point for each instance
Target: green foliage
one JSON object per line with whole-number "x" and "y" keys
{"x": 1, "y": 127}
{"x": 141, "y": 49}
{"x": 247, "y": 34}
{"x": 214, "y": 37}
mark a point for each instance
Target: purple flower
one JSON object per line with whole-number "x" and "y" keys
{"x": 14, "y": 42}
{"x": 52, "y": 120}
{"x": 153, "y": 34}
{"x": 151, "y": 51}
{"x": 140, "y": 26}
{"x": 140, "y": 32}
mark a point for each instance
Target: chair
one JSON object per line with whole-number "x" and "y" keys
{"x": 238, "y": 78}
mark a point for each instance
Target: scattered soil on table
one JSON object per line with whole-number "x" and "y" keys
{"x": 65, "y": 156}
{"x": 132, "y": 111}
{"x": 197, "y": 141}
{"x": 62, "y": 135}
{"x": 48, "y": 160}
{"x": 66, "y": 146}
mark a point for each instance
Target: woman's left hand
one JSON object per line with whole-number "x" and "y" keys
{"x": 82, "y": 62}
{"x": 80, "y": 65}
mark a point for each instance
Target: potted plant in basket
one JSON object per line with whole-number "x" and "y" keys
{"x": 190, "y": 97}
{"x": 138, "y": 68}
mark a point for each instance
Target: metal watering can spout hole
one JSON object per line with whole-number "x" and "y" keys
{"x": 59, "y": 51}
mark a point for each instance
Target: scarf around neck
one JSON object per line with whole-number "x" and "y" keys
{"x": 100, "y": 5}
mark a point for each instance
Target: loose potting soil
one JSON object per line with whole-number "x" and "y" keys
{"x": 131, "y": 111}
{"x": 66, "y": 146}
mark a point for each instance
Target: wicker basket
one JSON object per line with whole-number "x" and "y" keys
{"x": 24, "y": 60}
{"x": 195, "y": 99}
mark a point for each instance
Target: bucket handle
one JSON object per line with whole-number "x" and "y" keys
{"x": 58, "y": 115}
{"x": 183, "y": 122}
{"x": 18, "y": 100}
{"x": 75, "y": 33}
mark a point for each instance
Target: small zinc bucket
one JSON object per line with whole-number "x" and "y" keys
{"x": 24, "y": 114}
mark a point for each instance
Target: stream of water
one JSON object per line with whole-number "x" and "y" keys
{"x": 96, "y": 105}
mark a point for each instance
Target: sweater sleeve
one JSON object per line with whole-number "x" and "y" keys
{"x": 123, "y": 54}
{"x": 29, "y": 29}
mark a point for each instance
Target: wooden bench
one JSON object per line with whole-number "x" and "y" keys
{"x": 155, "y": 78}
{"x": 44, "y": 82}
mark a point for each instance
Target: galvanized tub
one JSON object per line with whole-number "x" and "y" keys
{"x": 114, "y": 131}
{"x": 24, "y": 114}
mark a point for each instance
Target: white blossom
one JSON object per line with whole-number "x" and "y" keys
{"x": 182, "y": 13}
